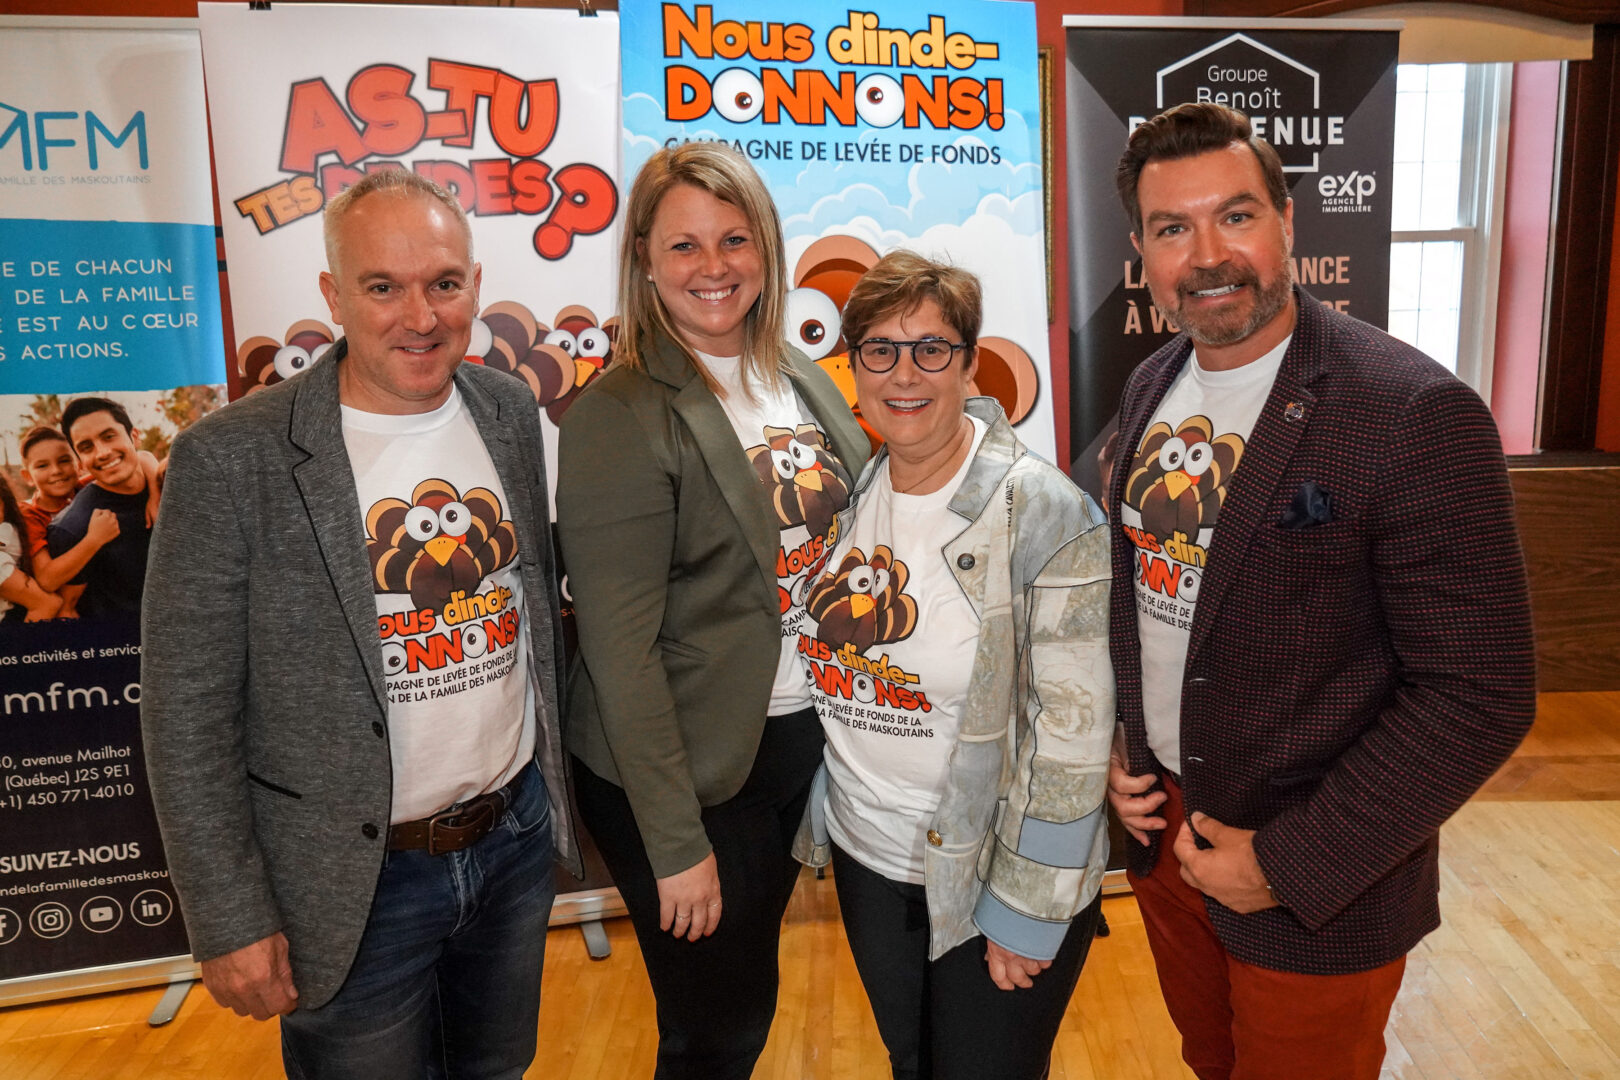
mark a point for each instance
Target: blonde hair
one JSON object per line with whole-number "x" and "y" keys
{"x": 721, "y": 171}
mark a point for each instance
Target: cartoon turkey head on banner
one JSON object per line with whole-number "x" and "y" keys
{"x": 823, "y": 279}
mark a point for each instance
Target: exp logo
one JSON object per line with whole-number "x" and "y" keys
{"x": 1351, "y": 189}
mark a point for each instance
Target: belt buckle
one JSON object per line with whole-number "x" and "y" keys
{"x": 480, "y": 812}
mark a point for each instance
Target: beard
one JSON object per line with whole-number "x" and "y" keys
{"x": 1222, "y": 328}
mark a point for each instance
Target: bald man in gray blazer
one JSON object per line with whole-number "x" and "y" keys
{"x": 293, "y": 619}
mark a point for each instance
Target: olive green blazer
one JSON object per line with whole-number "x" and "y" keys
{"x": 670, "y": 546}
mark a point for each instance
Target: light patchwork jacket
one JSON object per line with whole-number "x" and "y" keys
{"x": 1020, "y": 841}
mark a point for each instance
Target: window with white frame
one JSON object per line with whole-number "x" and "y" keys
{"x": 1450, "y": 157}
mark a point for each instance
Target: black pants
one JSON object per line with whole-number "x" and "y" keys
{"x": 945, "y": 1019}
{"x": 717, "y": 996}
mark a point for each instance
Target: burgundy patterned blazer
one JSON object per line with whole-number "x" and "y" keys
{"x": 1350, "y": 683}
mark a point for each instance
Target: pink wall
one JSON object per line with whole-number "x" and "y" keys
{"x": 1532, "y": 150}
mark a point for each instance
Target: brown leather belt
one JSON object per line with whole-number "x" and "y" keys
{"x": 452, "y": 829}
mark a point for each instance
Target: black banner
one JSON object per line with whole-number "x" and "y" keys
{"x": 82, "y": 877}
{"x": 1325, "y": 98}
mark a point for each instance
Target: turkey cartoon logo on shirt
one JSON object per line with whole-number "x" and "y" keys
{"x": 439, "y": 543}
{"x": 807, "y": 483}
{"x": 863, "y": 603}
{"x": 1178, "y": 478}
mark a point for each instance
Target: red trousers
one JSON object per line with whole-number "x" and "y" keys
{"x": 1241, "y": 1022}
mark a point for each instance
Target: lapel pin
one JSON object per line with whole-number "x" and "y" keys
{"x": 1295, "y": 411}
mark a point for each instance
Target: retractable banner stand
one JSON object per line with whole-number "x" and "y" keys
{"x": 513, "y": 111}
{"x": 1322, "y": 93}
{"x": 108, "y": 288}
{"x": 900, "y": 124}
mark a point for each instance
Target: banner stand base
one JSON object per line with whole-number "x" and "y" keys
{"x": 588, "y": 907}
{"x": 97, "y": 980}
{"x": 596, "y": 939}
{"x": 170, "y": 1003}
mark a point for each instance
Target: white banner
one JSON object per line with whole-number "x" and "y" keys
{"x": 515, "y": 111}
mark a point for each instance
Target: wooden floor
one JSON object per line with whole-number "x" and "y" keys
{"x": 1523, "y": 981}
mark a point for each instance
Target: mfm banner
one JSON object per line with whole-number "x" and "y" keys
{"x": 109, "y": 344}
{"x": 909, "y": 125}
{"x": 1322, "y": 93}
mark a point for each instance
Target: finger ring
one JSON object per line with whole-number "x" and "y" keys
{"x": 716, "y": 903}
{"x": 683, "y": 914}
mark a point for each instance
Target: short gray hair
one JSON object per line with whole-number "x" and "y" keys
{"x": 394, "y": 181}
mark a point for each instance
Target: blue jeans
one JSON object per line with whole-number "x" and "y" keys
{"x": 446, "y": 982}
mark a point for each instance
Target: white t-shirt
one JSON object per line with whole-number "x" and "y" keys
{"x": 449, "y": 605}
{"x": 808, "y": 485}
{"x": 889, "y": 645}
{"x": 1177, "y": 483}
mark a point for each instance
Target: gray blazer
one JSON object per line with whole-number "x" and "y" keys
{"x": 264, "y": 709}
{"x": 671, "y": 547}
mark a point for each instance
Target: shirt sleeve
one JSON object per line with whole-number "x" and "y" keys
{"x": 1456, "y": 604}
{"x": 1051, "y": 844}
{"x": 616, "y": 523}
{"x": 192, "y": 706}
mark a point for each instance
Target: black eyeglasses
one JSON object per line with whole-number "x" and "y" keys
{"x": 930, "y": 354}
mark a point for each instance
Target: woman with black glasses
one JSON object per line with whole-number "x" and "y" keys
{"x": 958, "y": 658}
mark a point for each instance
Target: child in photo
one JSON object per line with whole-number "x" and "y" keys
{"x": 18, "y": 589}
{"x": 51, "y": 466}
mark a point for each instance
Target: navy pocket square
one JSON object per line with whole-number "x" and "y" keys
{"x": 1312, "y": 506}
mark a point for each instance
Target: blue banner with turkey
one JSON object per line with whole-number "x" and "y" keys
{"x": 903, "y": 124}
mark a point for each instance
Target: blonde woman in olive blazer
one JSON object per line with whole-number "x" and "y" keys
{"x": 671, "y": 545}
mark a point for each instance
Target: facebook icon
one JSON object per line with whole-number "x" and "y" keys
{"x": 10, "y": 926}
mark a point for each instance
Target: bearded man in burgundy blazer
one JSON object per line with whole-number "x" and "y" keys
{"x": 1320, "y": 625}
